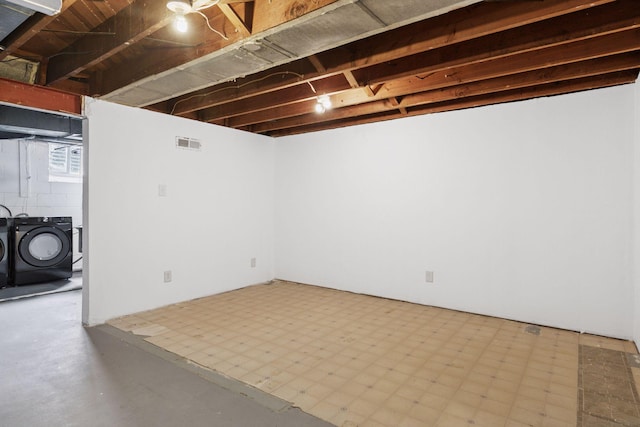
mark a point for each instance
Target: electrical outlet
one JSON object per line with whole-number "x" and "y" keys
{"x": 167, "y": 276}
{"x": 253, "y": 263}
{"x": 429, "y": 277}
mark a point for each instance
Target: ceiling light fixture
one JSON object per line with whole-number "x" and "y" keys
{"x": 181, "y": 24}
{"x": 184, "y": 7}
{"x": 323, "y": 104}
{"x": 180, "y": 8}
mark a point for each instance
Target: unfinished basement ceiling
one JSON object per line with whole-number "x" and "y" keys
{"x": 375, "y": 59}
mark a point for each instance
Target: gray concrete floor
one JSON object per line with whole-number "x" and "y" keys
{"x": 55, "y": 372}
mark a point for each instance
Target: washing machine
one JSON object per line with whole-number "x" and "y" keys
{"x": 5, "y": 252}
{"x": 42, "y": 249}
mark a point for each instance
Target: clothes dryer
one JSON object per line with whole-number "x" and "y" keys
{"x": 42, "y": 249}
{"x": 5, "y": 252}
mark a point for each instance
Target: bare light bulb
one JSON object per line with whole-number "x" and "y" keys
{"x": 181, "y": 23}
{"x": 323, "y": 104}
{"x": 325, "y": 101}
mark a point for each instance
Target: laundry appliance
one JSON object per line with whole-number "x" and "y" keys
{"x": 42, "y": 249}
{"x": 5, "y": 251}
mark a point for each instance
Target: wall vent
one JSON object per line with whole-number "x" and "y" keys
{"x": 188, "y": 143}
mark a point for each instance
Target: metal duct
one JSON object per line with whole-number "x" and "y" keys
{"x": 48, "y": 7}
{"x": 337, "y": 24}
{"x": 11, "y": 17}
{"x": 24, "y": 123}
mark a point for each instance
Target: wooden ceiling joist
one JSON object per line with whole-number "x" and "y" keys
{"x": 526, "y": 62}
{"x": 132, "y": 24}
{"x": 461, "y": 25}
{"x": 486, "y": 53}
{"x": 494, "y": 48}
{"x": 28, "y": 30}
{"x": 563, "y": 73}
{"x": 233, "y": 17}
{"x": 286, "y": 96}
{"x": 472, "y": 102}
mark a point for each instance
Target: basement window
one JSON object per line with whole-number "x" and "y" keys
{"x": 65, "y": 163}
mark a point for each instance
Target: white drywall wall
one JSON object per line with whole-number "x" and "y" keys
{"x": 40, "y": 197}
{"x": 217, "y": 213}
{"x": 522, "y": 210}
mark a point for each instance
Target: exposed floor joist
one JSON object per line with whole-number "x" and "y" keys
{"x": 484, "y": 53}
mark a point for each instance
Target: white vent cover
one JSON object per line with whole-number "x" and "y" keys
{"x": 188, "y": 143}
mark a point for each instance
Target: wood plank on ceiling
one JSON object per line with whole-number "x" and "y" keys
{"x": 552, "y": 89}
{"x": 354, "y": 107}
{"x": 129, "y": 26}
{"x": 441, "y": 31}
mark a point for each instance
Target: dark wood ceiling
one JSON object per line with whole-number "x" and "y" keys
{"x": 487, "y": 53}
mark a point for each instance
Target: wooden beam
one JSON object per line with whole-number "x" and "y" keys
{"x": 355, "y": 84}
{"x": 564, "y": 73}
{"x": 270, "y": 14}
{"x": 460, "y": 25}
{"x": 395, "y": 102}
{"x": 463, "y": 103}
{"x": 266, "y": 15}
{"x": 132, "y": 24}
{"x": 317, "y": 64}
{"x": 233, "y": 17}
{"x": 457, "y": 26}
{"x": 500, "y": 75}
{"x": 18, "y": 93}
{"x": 551, "y": 89}
{"x": 620, "y": 18}
{"x": 155, "y": 62}
{"x": 36, "y": 23}
{"x": 554, "y": 57}
{"x": 276, "y": 113}
{"x": 268, "y": 81}
{"x": 266, "y": 101}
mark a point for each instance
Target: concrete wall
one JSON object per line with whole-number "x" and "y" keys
{"x": 521, "y": 210}
{"x": 43, "y": 198}
{"x": 217, "y": 214}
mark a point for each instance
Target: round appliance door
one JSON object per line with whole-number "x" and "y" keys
{"x": 44, "y": 246}
{"x": 2, "y": 250}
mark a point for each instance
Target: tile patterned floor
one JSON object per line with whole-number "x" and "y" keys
{"x": 357, "y": 360}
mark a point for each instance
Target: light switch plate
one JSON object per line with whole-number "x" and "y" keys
{"x": 429, "y": 277}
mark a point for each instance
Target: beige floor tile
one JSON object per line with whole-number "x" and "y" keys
{"x": 488, "y": 419}
{"x": 427, "y": 414}
{"x": 324, "y": 410}
{"x": 630, "y": 347}
{"x": 500, "y": 409}
{"x": 450, "y": 420}
{"x": 286, "y": 392}
{"x": 346, "y": 418}
{"x": 356, "y": 361}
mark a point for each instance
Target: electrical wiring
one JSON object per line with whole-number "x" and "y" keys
{"x": 7, "y": 209}
{"x": 204, "y": 95}
{"x": 73, "y": 53}
{"x": 209, "y": 25}
{"x": 84, "y": 33}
